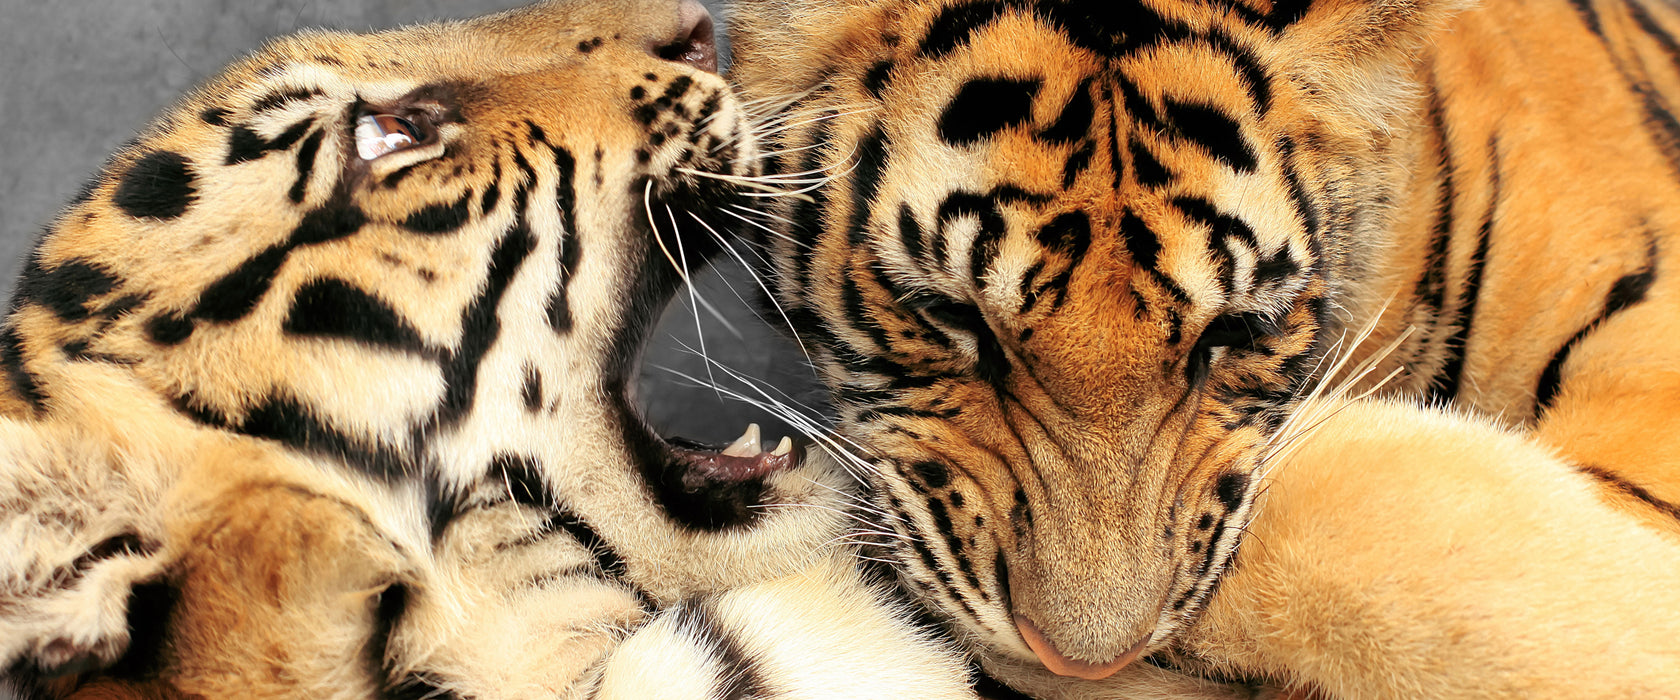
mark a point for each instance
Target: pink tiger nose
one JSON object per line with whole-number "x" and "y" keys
{"x": 1064, "y": 666}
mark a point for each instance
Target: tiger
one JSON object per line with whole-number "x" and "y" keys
{"x": 1104, "y": 289}
{"x": 321, "y": 389}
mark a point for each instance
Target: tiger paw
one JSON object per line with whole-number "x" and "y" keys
{"x": 79, "y": 622}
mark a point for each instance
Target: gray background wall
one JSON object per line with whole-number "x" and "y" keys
{"x": 78, "y": 77}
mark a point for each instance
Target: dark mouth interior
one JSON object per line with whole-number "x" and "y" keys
{"x": 700, "y": 422}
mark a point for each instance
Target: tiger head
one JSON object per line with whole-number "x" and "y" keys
{"x": 428, "y": 258}
{"x": 1069, "y": 265}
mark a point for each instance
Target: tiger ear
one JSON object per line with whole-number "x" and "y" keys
{"x": 1360, "y": 55}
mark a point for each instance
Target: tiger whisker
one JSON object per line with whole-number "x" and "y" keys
{"x": 768, "y": 294}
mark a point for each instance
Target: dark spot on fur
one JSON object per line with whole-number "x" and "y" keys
{"x": 1230, "y": 489}
{"x": 158, "y": 186}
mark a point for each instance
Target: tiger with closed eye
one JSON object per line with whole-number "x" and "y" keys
{"x": 1077, "y": 272}
{"x": 319, "y": 390}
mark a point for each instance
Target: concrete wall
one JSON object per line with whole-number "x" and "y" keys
{"x": 78, "y": 77}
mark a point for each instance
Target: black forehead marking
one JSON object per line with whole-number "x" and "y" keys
{"x": 160, "y": 185}
{"x": 281, "y": 98}
{"x": 246, "y": 144}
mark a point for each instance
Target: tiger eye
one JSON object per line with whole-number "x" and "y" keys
{"x": 379, "y": 134}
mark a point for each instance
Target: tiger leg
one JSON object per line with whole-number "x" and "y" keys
{"x": 80, "y": 527}
{"x": 273, "y": 589}
{"x": 820, "y": 633}
{"x": 519, "y": 607}
{"x": 1403, "y": 553}
{"x": 1616, "y": 411}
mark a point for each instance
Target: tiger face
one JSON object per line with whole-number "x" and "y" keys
{"x": 413, "y": 271}
{"x": 1069, "y": 267}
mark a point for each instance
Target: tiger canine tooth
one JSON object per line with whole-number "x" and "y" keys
{"x": 783, "y": 447}
{"x": 747, "y": 445}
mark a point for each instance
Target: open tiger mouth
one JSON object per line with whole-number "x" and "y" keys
{"x": 743, "y": 459}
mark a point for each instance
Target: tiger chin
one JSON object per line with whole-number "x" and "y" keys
{"x": 320, "y": 389}
{"x": 1075, "y": 271}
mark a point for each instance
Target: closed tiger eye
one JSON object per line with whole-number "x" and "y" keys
{"x": 379, "y": 134}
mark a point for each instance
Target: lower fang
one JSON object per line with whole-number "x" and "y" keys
{"x": 783, "y": 447}
{"x": 747, "y": 445}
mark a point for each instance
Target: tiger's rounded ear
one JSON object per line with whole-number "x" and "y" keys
{"x": 1360, "y": 54}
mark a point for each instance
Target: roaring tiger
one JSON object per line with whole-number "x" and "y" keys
{"x": 1073, "y": 269}
{"x": 319, "y": 390}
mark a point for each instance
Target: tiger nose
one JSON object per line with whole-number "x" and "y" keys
{"x": 1063, "y": 665}
{"x": 695, "y": 42}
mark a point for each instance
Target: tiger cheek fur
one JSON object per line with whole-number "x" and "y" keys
{"x": 1033, "y": 295}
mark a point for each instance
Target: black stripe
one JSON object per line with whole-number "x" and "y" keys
{"x": 1621, "y": 485}
{"x": 334, "y": 220}
{"x": 1659, "y": 115}
{"x": 1589, "y": 15}
{"x": 1143, "y": 112}
{"x": 606, "y": 558}
{"x": 984, "y": 106}
{"x": 441, "y": 218}
{"x": 492, "y": 193}
{"x": 247, "y": 145}
{"x": 332, "y": 308}
{"x": 1075, "y": 120}
{"x": 875, "y": 80}
{"x": 1069, "y": 234}
{"x": 281, "y": 98}
{"x": 531, "y": 392}
{"x": 234, "y": 295}
{"x": 481, "y": 326}
{"x": 1221, "y": 226}
{"x": 1285, "y": 13}
{"x": 305, "y": 165}
{"x": 151, "y": 612}
{"x": 1298, "y": 190}
{"x": 910, "y": 234}
{"x": 859, "y": 315}
{"x": 1077, "y": 163}
{"x": 292, "y": 423}
{"x": 523, "y": 477}
{"x": 1146, "y": 168}
{"x": 739, "y": 676}
{"x": 1446, "y": 385}
{"x": 956, "y": 25}
{"x": 1141, "y": 242}
{"x": 953, "y": 544}
{"x": 1625, "y": 292}
{"x": 559, "y": 307}
{"x": 65, "y": 288}
{"x": 1213, "y": 130}
{"x": 866, "y": 183}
